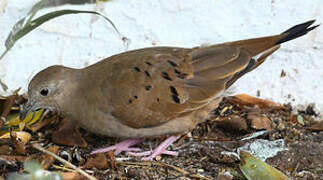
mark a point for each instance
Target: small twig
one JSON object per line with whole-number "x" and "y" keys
{"x": 295, "y": 169}
{"x": 63, "y": 168}
{"x": 38, "y": 147}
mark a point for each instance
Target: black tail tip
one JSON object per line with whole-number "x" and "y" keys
{"x": 298, "y": 31}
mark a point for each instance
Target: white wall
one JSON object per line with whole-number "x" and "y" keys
{"x": 80, "y": 40}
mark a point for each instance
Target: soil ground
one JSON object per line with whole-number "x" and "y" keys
{"x": 200, "y": 152}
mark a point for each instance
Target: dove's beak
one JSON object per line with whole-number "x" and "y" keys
{"x": 26, "y": 108}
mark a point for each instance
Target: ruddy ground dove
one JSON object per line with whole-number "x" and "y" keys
{"x": 152, "y": 91}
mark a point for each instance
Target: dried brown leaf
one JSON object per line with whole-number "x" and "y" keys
{"x": 99, "y": 161}
{"x": 316, "y": 127}
{"x": 5, "y": 150}
{"x": 72, "y": 176}
{"x": 17, "y": 143}
{"x": 67, "y": 135}
{"x": 20, "y": 135}
{"x": 10, "y": 101}
{"x": 293, "y": 118}
{"x": 112, "y": 160}
{"x": 259, "y": 121}
{"x": 46, "y": 160}
{"x": 14, "y": 158}
{"x": 40, "y": 124}
{"x": 247, "y": 100}
{"x": 232, "y": 123}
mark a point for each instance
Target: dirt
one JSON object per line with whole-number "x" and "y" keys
{"x": 201, "y": 152}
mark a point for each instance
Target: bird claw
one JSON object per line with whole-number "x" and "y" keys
{"x": 149, "y": 155}
{"x": 120, "y": 147}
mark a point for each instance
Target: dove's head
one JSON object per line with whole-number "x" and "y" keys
{"x": 48, "y": 89}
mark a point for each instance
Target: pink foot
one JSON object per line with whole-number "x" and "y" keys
{"x": 120, "y": 147}
{"x": 160, "y": 149}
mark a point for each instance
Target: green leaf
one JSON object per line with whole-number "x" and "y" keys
{"x": 31, "y": 166}
{"x": 35, "y": 172}
{"x": 300, "y": 120}
{"x": 255, "y": 169}
{"x": 13, "y": 37}
{"x": 24, "y": 26}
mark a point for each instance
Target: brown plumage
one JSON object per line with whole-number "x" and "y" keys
{"x": 152, "y": 91}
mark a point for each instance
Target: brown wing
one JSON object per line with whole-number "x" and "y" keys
{"x": 155, "y": 85}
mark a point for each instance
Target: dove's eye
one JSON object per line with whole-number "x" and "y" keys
{"x": 44, "y": 92}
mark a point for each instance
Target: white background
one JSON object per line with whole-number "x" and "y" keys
{"x": 80, "y": 40}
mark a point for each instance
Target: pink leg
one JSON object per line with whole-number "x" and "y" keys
{"x": 161, "y": 149}
{"x": 120, "y": 147}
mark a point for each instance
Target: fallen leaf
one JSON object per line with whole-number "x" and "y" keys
{"x": 5, "y": 150}
{"x": 68, "y": 135}
{"x": 293, "y": 118}
{"x": 72, "y": 176}
{"x": 255, "y": 169}
{"x": 9, "y": 102}
{"x": 112, "y": 161}
{"x": 316, "y": 127}
{"x": 300, "y": 120}
{"x": 247, "y": 100}
{"x": 99, "y": 161}
{"x": 13, "y": 159}
{"x": 17, "y": 143}
{"x": 31, "y": 118}
{"x": 21, "y": 135}
{"x": 46, "y": 160}
{"x": 232, "y": 123}
{"x": 259, "y": 121}
{"x": 40, "y": 124}
{"x": 34, "y": 172}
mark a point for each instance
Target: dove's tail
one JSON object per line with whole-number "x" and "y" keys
{"x": 268, "y": 45}
{"x": 259, "y": 45}
{"x": 297, "y": 31}
{"x": 218, "y": 66}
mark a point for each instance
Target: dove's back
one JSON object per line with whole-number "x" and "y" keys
{"x": 149, "y": 91}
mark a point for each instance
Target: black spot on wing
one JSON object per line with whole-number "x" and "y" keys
{"x": 147, "y": 74}
{"x": 173, "y": 90}
{"x": 148, "y": 87}
{"x": 172, "y": 63}
{"x": 174, "y": 94}
{"x": 166, "y": 76}
{"x": 180, "y": 74}
{"x": 137, "y": 69}
{"x": 176, "y": 99}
